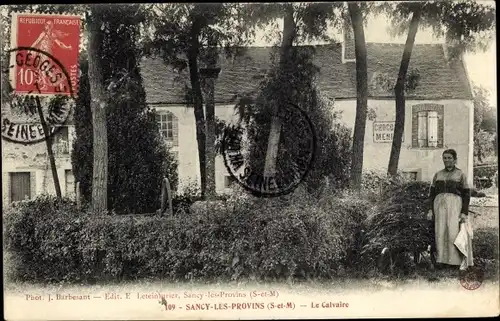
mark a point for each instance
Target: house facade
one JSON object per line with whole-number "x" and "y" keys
{"x": 26, "y": 170}
{"x": 439, "y": 114}
{"x": 439, "y": 110}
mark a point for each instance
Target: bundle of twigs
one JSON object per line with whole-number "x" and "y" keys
{"x": 399, "y": 221}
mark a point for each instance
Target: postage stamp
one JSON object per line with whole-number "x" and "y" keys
{"x": 44, "y": 54}
{"x": 43, "y": 73}
{"x": 297, "y": 144}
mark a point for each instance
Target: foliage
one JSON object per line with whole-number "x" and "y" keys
{"x": 484, "y": 145}
{"x": 241, "y": 238}
{"x": 467, "y": 25}
{"x": 186, "y": 36}
{"x": 311, "y": 19}
{"x": 375, "y": 183}
{"x": 31, "y": 229}
{"x": 183, "y": 200}
{"x": 295, "y": 80}
{"x": 485, "y": 244}
{"x": 485, "y": 176}
{"x": 219, "y": 25}
{"x": 138, "y": 158}
{"x": 485, "y": 123}
{"x": 398, "y": 221}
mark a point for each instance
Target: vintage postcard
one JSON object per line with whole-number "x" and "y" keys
{"x": 214, "y": 161}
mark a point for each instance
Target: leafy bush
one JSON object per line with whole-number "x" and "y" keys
{"x": 484, "y": 177}
{"x": 398, "y": 222}
{"x": 31, "y": 229}
{"x": 295, "y": 236}
{"x": 485, "y": 244}
{"x": 376, "y": 183}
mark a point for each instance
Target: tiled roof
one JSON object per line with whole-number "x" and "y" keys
{"x": 438, "y": 78}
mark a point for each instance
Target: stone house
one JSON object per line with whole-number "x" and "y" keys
{"x": 439, "y": 114}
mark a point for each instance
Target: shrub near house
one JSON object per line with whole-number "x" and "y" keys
{"x": 294, "y": 236}
{"x": 244, "y": 237}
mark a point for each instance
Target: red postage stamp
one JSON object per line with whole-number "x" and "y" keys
{"x": 44, "y": 54}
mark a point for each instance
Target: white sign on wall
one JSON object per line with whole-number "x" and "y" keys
{"x": 383, "y": 131}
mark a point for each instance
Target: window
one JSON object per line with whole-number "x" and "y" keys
{"x": 168, "y": 127}
{"x": 427, "y": 126}
{"x": 61, "y": 140}
{"x": 20, "y": 186}
{"x": 70, "y": 182}
{"x": 228, "y": 181}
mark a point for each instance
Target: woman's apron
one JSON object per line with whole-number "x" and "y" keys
{"x": 447, "y": 208}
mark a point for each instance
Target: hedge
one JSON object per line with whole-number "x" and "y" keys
{"x": 291, "y": 237}
{"x": 244, "y": 237}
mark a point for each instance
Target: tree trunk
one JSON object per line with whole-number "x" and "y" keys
{"x": 289, "y": 34}
{"x": 199, "y": 115}
{"x": 362, "y": 95}
{"x": 49, "y": 139}
{"x": 210, "y": 74}
{"x": 399, "y": 91}
{"x": 98, "y": 107}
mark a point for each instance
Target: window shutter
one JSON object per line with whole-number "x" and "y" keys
{"x": 175, "y": 129}
{"x": 422, "y": 129}
{"x": 71, "y": 133}
{"x": 432, "y": 128}
{"x": 414, "y": 128}
{"x": 440, "y": 133}
{"x": 32, "y": 184}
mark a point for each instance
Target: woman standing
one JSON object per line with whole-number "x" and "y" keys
{"x": 449, "y": 199}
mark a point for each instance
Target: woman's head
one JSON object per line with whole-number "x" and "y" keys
{"x": 449, "y": 158}
{"x": 48, "y": 25}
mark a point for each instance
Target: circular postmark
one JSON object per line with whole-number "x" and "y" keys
{"x": 246, "y": 148}
{"x": 472, "y": 278}
{"x": 35, "y": 73}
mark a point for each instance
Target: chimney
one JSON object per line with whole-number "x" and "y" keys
{"x": 348, "y": 54}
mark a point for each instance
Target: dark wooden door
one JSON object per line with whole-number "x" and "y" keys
{"x": 20, "y": 186}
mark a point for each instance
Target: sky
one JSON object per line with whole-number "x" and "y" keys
{"x": 481, "y": 66}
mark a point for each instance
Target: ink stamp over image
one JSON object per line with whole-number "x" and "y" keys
{"x": 294, "y": 157}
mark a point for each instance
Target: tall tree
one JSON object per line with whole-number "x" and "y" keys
{"x": 289, "y": 34}
{"x": 356, "y": 15}
{"x": 209, "y": 76}
{"x": 138, "y": 158}
{"x": 98, "y": 105}
{"x": 399, "y": 90}
{"x": 291, "y": 77}
{"x": 466, "y": 25}
{"x": 185, "y": 34}
{"x": 304, "y": 21}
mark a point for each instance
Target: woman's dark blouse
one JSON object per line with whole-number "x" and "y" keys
{"x": 451, "y": 181}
